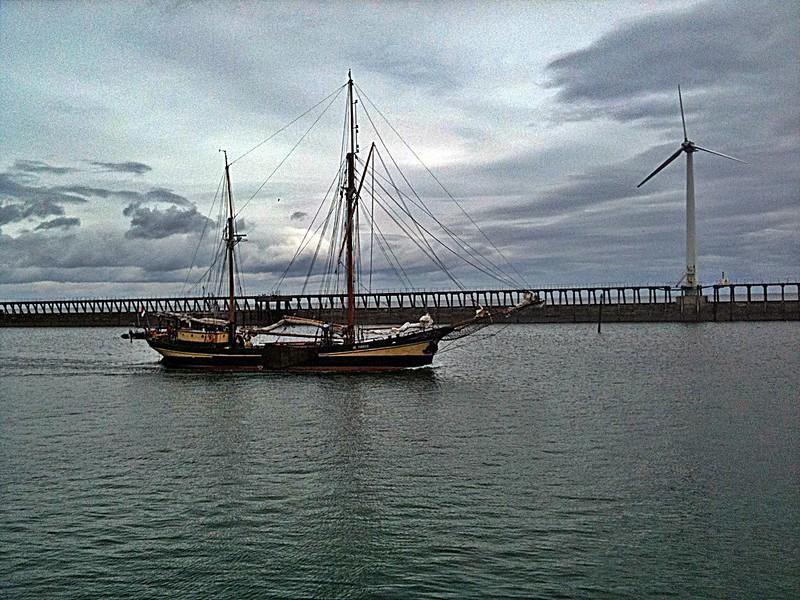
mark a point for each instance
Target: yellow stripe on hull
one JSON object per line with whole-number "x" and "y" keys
{"x": 169, "y": 353}
{"x": 415, "y": 349}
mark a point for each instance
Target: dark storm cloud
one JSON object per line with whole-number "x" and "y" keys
{"x": 153, "y": 223}
{"x": 737, "y": 67}
{"x": 37, "y": 166}
{"x": 22, "y": 200}
{"x": 594, "y": 188}
{"x": 412, "y": 58}
{"x": 41, "y": 208}
{"x": 712, "y": 44}
{"x": 560, "y": 208}
{"x": 95, "y": 192}
{"x": 736, "y": 63}
{"x": 723, "y": 188}
{"x": 13, "y": 190}
{"x": 136, "y": 168}
{"x": 414, "y": 66}
{"x": 598, "y": 227}
{"x": 59, "y": 223}
{"x": 41, "y": 167}
{"x": 165, "y": 195}
{"x": 154, "y": 195}
{"x": 84, "y": 191}
{"x": 255, "y": 261}
{"x": 97, "y": 254}
{"x": 102, "y": 256}
{"x": 11, "y": 213}
{"x": 657, "y": 110}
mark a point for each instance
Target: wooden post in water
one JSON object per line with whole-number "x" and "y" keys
{"x": 600, "y": 313}
{"x": 732, "y": 300}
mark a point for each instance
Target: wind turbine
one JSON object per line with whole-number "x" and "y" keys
{"x": 689, "y": 147}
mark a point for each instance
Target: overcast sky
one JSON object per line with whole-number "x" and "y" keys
{"x": 539, "y": 117}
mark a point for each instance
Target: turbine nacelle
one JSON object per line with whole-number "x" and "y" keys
{"x": 687, "y": 146}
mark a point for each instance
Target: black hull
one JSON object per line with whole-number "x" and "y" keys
{"x": 400, "y": 352}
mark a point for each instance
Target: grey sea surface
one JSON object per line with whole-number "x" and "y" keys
{"x": 532, "y": 461}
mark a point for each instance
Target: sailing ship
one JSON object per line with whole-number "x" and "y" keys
{"x": 303, "y": 344}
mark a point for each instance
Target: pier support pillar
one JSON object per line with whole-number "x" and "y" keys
{"x": 691, "y": 305}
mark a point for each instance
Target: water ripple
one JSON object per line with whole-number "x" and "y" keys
{"x": 548, "y": 462}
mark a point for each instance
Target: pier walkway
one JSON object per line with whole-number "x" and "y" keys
{"x": 732, "y": 301}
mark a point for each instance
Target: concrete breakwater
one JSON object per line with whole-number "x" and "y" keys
{"x": 731, "y": 302}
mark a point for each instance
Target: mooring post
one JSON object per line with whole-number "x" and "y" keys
{"x": 783, "y": 302}
{"x": 600, "y": 313}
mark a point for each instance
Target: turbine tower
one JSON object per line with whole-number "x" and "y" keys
{"x": 692, "y": 284}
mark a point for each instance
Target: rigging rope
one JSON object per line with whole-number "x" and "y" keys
{"x": 410, "y": 235}
{"x": 306, "y": 239}
{"x": 420, "y": 204}
{"x": 434, "y": 258}
{"x": 390, "y": 256}
{"x": 492, "y": 269}
{"x": 285, "y": 158}
{"x": 289, "y": 124}
{"x": 436, "y": 179}
{"x": 501, "y": 276}
{"x": 372, "y": 228}
{"x": 398, "y": 205}
{"x": 332, "y": 212}
{"x": 472, "y": 339}
{"x": 202, "y": 235}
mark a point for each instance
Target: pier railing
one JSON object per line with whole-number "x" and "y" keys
{"x": 454, "y": 299}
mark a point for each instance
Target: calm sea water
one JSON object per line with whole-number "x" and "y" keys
{"x": 543, "y": 462}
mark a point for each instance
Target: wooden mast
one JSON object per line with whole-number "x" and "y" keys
{"x": 231, "y": 242}
{"x": 351, "y": 195}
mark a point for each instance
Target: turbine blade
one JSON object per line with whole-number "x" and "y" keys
{"x": 683, "y": 118}
{"x": 661, "y": 166}
{"x": 719, "y": 154}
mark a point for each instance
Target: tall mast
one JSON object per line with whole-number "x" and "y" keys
{"x": 231, "y": 242}
{"x": 351, "y": 196}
